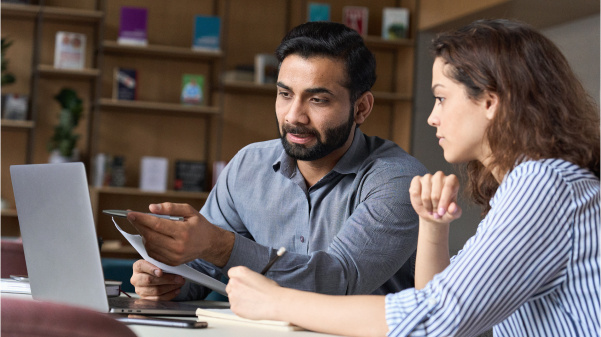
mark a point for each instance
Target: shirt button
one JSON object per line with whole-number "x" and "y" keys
{"x": 432, "y": 301}
{"x": 302, "y": 239}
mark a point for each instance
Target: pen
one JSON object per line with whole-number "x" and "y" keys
{"x": 280, "y": 252}
{"x": 123, "y": 214}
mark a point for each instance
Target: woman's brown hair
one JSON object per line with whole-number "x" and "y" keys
{"x": 544, "y": 112}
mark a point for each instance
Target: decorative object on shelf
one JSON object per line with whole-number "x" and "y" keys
{"x": 133, "y": 26}
{"x": 207, "y": 33}
{"x": 190, "y": 175}
{"x": 266, "y": 68}
{"x": 395, "y": 23}
{"x": 125, "y": 84}
{"x": 69, "y": 50}
{"x": 153, "y": 175}
{"x": 14, "y": 106}
{"x": 356, "y": 17}
{"x": 62, "y": 144}
{"x": 241, "y": 72}
{"x": 317, "y": 11}
{"x": 7, "y": 78}
{"x": 192, "y": 89}
{"x": 108, "y": 170}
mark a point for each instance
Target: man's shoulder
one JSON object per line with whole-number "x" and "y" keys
{"x": 387, "y": 155}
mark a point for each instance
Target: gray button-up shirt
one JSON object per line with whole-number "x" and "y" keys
{"x": 353, "y": 232}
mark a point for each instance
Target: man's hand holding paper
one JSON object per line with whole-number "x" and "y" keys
{"x": 178, "y": 242}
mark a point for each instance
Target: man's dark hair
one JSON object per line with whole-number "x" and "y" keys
{"x": 337, "y": 41}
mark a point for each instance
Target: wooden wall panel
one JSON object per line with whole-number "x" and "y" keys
{"x": 247, "y": 118}
{"x": 253, "y": 27}
{"x": 19, "y": 54}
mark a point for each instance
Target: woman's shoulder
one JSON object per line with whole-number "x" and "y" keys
{"x": 551, "y": 169}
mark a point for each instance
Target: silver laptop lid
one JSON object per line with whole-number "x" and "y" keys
{"x": 59, "y": 236}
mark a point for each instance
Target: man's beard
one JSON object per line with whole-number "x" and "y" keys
{"x": 335, "y": 138}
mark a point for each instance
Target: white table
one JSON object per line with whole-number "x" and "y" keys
{"x": 216, "y": 328}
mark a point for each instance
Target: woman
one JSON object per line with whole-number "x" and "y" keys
{"x": 508, "y": 105}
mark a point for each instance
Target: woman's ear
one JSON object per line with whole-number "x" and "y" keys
{"x": 363, "y": 107}
{"x": 491, "y": 104}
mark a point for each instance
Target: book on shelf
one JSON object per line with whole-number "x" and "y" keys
{"x": 69, "y": 50}
{"x": 356, "y": 17}
{"x": 133, "y": 26}
{"x": 317, "y": 11}
{"x": 207, "y": 33}
{"x": 108, "y": 170}
{"x": 395, "y": 23}
{"x": 125, "y": 84}
{"x": 190, "y": 175}
{"x": 153, "y": 174}
{"x": 266, "y": 68}
{"x": 192, "y": 89}
{"x": 14, "y": 106}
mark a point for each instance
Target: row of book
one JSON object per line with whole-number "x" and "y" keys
{"x": 395, "y": 20}
{"x": 133, "y": 29}
{"x": 70, "y": 47}
{"x": 189, "y": 175}
{"x": 125, "y": 86}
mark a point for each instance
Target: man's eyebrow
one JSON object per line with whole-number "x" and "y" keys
{"x": 316, "y": 90}
{"x": 319, "y": 90}
{"x": 283, "y": 86}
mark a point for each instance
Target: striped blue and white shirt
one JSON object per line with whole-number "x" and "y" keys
{"x": 531, "y": 269}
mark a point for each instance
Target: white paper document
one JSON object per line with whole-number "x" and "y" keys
{"x": 183, "y": 270}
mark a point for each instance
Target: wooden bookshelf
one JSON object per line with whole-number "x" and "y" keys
{"x": 49, "y": 71}
{"x": 16, "y": 124}
{"x": 151, "y": 50}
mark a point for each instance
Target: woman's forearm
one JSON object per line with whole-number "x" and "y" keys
{"x": 432, "y": 251}
{"x": 362, "y": 315}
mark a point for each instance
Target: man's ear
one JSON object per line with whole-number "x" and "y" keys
{"x": 491, "y": 104}
{"x": 363, "y": 107}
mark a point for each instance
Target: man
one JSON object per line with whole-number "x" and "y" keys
{"x": 336, "y": 199}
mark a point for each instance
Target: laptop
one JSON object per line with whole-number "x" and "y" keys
{"x": 61, "y": 245}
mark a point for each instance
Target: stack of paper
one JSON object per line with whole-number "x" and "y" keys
{"x": 16, "y": 287}
{"x": 227, "y": 314}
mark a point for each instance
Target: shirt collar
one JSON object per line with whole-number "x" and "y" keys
{"x": 350, "y": 162}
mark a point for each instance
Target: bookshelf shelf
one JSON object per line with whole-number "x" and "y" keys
{"x": 19, "y": 11}
{"x": 9, "y": 213}
{"x": 50, "y": 71}
{"x": 112, "y": 47}
{"x": 50, "y": 12}
{"x": 157, "y": 107}
{"x": 15, "y": 124}
{"x": 71, "y": 14}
